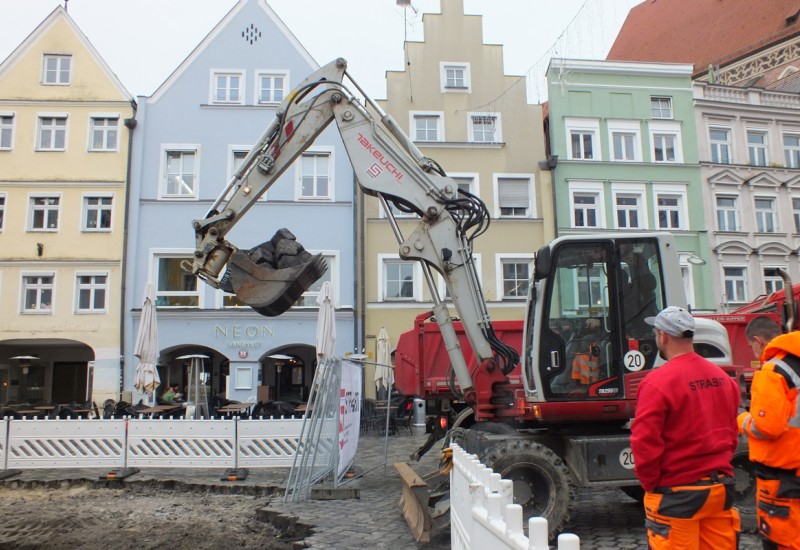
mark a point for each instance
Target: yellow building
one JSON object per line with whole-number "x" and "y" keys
{"x": 64, "y": 137}
{"x": 455, "y": 101}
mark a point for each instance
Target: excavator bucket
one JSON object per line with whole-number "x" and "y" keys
{"x": 272, "y": 291}
{"x": 424, "y": 502}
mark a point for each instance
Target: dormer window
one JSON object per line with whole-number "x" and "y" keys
{"x": 57, "y": 70}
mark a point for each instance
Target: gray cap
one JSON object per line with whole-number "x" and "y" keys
{"x": 675, "y": 321}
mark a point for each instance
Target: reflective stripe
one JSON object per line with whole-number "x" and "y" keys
{"x": 750, "y": 426}
{"x": 788, "y": 372}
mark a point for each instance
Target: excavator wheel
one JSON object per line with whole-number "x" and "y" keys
{"x": 542, "y": 483}
{"x": 745, "y": 498}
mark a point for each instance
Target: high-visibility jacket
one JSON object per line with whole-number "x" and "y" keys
{"x": 773, "y": 423}
{"x": 586, "y": 365}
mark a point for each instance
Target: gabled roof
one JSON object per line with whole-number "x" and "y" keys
{"x": 58, "y": 14}
{"x": 279, "y": 24}
{"x": 703, "y": 32}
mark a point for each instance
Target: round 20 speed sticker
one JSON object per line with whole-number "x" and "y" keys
{"x": 634, "y": 360}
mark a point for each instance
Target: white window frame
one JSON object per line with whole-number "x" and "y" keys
{"x": 765, "y": 215}
{"x": 3, "y": 199}
{"x": 52, "y": 127}
{"x": 638, "y": 191}
{"x": 100, "y": 208}
{"x": 441, "y": 287}
{"x": 531, "y": 206}
{"x": 735, "y": 211}
{"x": 472, "y": 178}
{"x": 587, "y": 188}
{"x": 333, "y": 259}
{"x": 757, "y": 150}
{"x": 227, "y": 74}
{"x": 157, "y": 254}
{"x": 233, "y": 150}
{"x": 105, "y": 130}
{"x": 92, "y": 288}
{"x": 46, "y": 208}
{"x": 183, "y": 148}
{"x": 414, "y": 116}
{"x": 272, "y": 75}
{"x": 687, "y": 275}
{"x": 500, "y": 260}
{"x": 743, "y": 278}
{"x": 666, "y": 129}
{"x": 59, "y": 70}
{"x": 589, "y": 126}
{"x": 383, "y": 260}
{"x": 796, "y": 212}
{"x": 656, "y": 111}
{"x": 317, "y": 150}
{"x": 682, "y": 208}
{"x": 40, "y": 286}
{"x": 444, "y": 66}
{"x": 7, "y": 128}
{"x": 718, "y": 146}
{"x": 471, "y": 128}
{"x": 625, "y": 127}
{"x": 791, "y": 153}
{"x": 772, "y": 283}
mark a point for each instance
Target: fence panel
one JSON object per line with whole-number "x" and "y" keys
{"x": 65, "y": 443}
{"x": 181, "y": 443}
{"x": 268, "y": 443}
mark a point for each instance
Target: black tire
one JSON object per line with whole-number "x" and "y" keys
{"x": 542, "y": 484}
{"x": 636, "y": 492}
{"x": 745, "y": 499}
{"x": 496, "y": 428}
{"x": 457, "y": 436}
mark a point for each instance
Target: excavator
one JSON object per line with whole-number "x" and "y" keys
{"x": 554, "y": 421}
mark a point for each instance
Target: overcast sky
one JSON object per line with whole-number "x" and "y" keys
{"x": 143, "y": 41}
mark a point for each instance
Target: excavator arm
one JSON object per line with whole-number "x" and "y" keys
{"x": 387, "y": 165}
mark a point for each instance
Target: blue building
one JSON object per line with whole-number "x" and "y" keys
{"x": 191, "y": 134}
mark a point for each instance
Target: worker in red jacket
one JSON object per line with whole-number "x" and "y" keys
{"x": 683, "y": 438}
{"x": 773, "y": 433}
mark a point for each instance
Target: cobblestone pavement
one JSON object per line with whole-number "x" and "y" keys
{"x": 604, "y": 519}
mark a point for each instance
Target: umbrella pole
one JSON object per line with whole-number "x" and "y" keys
{"x": 386, "y": 433}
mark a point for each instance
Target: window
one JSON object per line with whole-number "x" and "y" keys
{"x": 104, "y": 133}
{"x": 735, "y": 284}
{"x": 427, "y": 126}
{"x": 765, "y": 215}
{"x": 661, "y": 107}
{"x": 757, "y": 148}
{"x": 37, "y": 293}
{"x": 516, "y": 277}
{"x": 791, "y": 150}
{"x": 2, "y": 210}
{"x": 484, "y": 128}
{"x": 796, "y": 213}
{"x": 398, "y": 280}
{"x": 466, "y": 184}
{"x": 52, "y": 133}
{"x": 583, "y": 141}
{"x": 628, "y": 211}
{"x": 585, "y": 210}
{"x": 772, "y": 280}
{"x": 727, "y": 213}
{"x": 6, "y": 132}
{"x": 227, "y": 88}
{"x": 180, "y": 173}
{"x": 441, "y": 286}
{"x": 514, "y": 197}
{"x": 44, "y": 213}
{"x": 720, "y": 140}
{"x": 669, "y": 211}
{"x": 97, "y": 213}
{"x": 309, "y": 297}
{"x": 176, "y": 287}
{"x": 272, "y": 87}
{"x": 582, "y": 144}
{"x": 623, "y": 144}
{"x": 664, "y": 148}
{"x": 315, "y": 175}
{"x": 455, "y": 77}
{"x": 57, "y": 69}
{"x": 91, "y": 291}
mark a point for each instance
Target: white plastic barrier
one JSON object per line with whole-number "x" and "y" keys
{"x": 173, "y": 443}
{"x": 483, "y": 515}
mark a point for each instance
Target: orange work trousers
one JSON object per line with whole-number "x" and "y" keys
{"x": 778, "y": 510}
{"x": 693, "y": 517}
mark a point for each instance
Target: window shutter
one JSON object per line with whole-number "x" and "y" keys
{"x": 513, "y": 193}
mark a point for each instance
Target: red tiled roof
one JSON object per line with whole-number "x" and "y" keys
{"x": 703, "y": 32}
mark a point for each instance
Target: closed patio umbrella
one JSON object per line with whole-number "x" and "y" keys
{"x": 384, "y": 375}
{"x": 146, "y": 348}
{"x": 326, "y": 323}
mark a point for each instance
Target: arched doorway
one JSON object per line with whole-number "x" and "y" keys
{"x": 174, "y": 370}
{"x": 287, "y": 373}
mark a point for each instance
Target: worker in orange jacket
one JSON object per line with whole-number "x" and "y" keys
{"x": 772, "y": 427}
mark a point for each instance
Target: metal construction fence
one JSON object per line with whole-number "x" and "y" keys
{"x": 157, "y": 443}
{"x": 482, "y": 513}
